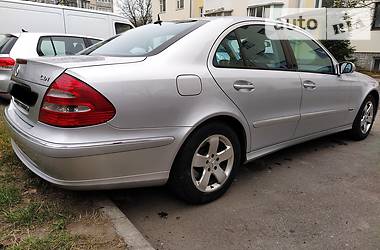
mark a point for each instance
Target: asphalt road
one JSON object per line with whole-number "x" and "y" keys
{"x": 323, "y": 194}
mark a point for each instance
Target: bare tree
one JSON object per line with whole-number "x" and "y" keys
{"x": 139, "y": 12}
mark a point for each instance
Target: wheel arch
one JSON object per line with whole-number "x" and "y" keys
{"x": 236, "y": 124}
{"x": 375, "y": 94}
{"x": 364, "y": 96}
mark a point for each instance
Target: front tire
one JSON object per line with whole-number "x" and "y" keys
{"x": 364, "y": 119}
{"x": 206, "y": 164}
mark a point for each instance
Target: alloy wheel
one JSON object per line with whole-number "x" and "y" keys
{"x": 367, "y": 117}
{"x": 212, "y": 163}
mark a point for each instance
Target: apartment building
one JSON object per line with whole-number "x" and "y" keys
{"x": 177, "y": 9}
{"x": 257, "y": 8}
{"x": 182, "y": 9}
{"x": 101, "y": 5}
{"x": 368, "y": 51}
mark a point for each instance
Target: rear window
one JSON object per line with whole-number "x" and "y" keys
{"x": 6, "y": 43}
{"x": 146, "y": 40}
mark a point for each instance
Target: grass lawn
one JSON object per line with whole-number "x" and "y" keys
{"x": 37, "y": 215}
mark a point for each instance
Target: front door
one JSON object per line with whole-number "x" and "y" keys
{"x": 325, "y": 95}
{"x": 255, "y": 73}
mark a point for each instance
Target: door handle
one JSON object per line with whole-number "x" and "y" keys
{"x": 309, "y": 84}
{"x": 244, "y": 86}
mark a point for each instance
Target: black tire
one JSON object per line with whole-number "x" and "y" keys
{"x": 181, "y": 178}
{"x": 356, "y": 132}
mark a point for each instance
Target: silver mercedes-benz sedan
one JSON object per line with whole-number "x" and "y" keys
{"x": 183, "y": 103}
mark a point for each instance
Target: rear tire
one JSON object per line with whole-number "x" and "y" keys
{"x": 206, "y": 164}
{"x": 364, "y": 119}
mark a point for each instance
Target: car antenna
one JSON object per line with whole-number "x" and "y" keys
{"x": 158, "y": 20}
{"x": 24, "y": 30}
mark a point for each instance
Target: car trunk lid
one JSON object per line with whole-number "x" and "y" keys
{"x": 32, "y": 78}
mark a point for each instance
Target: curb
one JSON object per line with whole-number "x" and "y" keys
{"x": 123, "y": 226}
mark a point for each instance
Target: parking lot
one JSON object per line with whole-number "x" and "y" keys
{"x": 323, "y": 194}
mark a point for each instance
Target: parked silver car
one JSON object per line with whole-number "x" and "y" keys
{"x": 182, "y": 102}
{"x": 29, "y": 45}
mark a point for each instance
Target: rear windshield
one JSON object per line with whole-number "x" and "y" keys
{"x": 6, "y": 43}
{"x": 146, "y": 40}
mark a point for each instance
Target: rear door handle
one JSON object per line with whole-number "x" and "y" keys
{"x": 244, "y": 86}
{"x": 309, "y": 84}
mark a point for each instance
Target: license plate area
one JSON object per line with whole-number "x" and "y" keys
{"x": 24, "y": 95}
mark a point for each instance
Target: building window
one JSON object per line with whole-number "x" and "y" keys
{"x": 266, "y": 11}
{"x": 162, "y": 6}
{"x": 259, "y": 11}
{"x": 317, "y": 3}
{"x": 180, "y": 4}
{"x": 376, "y": 17}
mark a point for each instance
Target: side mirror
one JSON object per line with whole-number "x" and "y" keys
{"x": 346, "y": 67}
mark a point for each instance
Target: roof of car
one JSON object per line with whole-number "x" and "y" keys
{"x": 238, "y": 19}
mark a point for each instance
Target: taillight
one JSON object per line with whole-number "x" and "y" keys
{"x": 70, "y": 102}
{"x": 6, "y": 63}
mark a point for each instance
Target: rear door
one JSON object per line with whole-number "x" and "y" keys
{"x": 325, "y": 94}
{"x": 254, "y": 71}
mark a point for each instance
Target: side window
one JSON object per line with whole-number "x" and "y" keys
{"x": 93, "y": 41}
{"x": 162, "y": 6}
{"x": 60, "y": 46}
{"x": 310, "y": 57}
{"x": 6, "y": 43}
{"x": 45, "y": 47}
{"x": 122, "y": 27}
{"x": 68, "y": 45}
{"x": 261, "y": 47}
{"x": 228, "y": 53}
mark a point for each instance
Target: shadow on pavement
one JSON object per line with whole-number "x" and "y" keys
{"x": 3, "y": 101}
{"x": 279, "y": 159}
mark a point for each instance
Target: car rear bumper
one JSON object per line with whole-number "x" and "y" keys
{"x": 96, "y": 165}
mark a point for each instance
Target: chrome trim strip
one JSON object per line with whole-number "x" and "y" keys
{"x": 319, "y": 114}
{"x": 274, "y": 121}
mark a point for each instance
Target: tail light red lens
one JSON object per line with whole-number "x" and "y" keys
{"x": 7, "y": 63}
{"x": 70, "y": 102}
